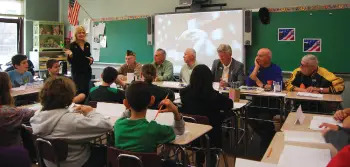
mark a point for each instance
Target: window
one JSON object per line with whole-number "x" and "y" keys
{"x": 11, "y": 29}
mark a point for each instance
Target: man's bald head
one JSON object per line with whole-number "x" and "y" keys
{"x": 264, "y": 57}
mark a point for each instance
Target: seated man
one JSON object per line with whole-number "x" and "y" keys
{"x": 264, "y": 70}
{"x": 309, "y": 77}
{"x": 104, "y": 93}
{"x": 130, "y": 66}
{"x": 190, "y": 60}
{"x": 20, "y": 75}
{"x": 164, "y": 67}
{"x": 226, "y": 69}
{"x": 134, "y": 133}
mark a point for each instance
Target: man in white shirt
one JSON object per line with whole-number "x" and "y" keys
{"x": 226, "y": 69}
{"x": 190, "y": 60}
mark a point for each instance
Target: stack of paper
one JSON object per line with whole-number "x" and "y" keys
{"x": 318, "y": 120}
{"x": 169, "y": 84}
{"x": 309, "y": 95}
{"x": 299, "y": 136}
{"x": 249, "y": 163}
{"x": 293, "y": 156}
{"x": 279, "y": 94}
{"x": 116, "y": 111}
{"x": 110, "y": 109}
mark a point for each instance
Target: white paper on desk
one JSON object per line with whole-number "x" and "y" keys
{"x": 170, "y": 84}
{"x": 300, "y": 116}
{"x": 249, "y": 163}
{"x": 110, "y": 109}
{"x": 300, "y": 136}
{"x": 315, "y": 95}
{"x": 238, "y": 105}
{"x": 162, "y": 118}
{"x": 318, "y": 120}
{"x": 279, "y": 94}
{"x": 296, "y": 156}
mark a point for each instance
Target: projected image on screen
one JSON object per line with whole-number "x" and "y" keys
{"x": 203, "y": 31}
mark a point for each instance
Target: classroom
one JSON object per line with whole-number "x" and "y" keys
{"x": 168, "y": 83}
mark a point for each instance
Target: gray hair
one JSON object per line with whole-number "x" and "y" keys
{"x": 310, "y": 59}
{"x": 224, "y": 48}
{"x": 162, "y": 50}
{"x": 192, "y": 51}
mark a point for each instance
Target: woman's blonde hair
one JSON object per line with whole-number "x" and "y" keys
{"x": 77, "y": 30}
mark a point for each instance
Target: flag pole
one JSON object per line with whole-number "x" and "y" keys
{"x": 84, "y": 10}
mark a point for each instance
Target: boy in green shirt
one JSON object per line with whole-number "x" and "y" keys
{"x": 134, "y": 133}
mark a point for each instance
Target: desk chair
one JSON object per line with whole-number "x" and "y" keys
{"x": 204, "y": 120}
{"x": 54, "y": 150}
{"x": 122, "y": 158}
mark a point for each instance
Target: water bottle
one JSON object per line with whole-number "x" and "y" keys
{"x": 276, "y": 86}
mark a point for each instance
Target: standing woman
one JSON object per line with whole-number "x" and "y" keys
{"x": 79, "y": 56}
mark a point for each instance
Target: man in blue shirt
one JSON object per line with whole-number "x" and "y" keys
{"x": 264, "y": 70}
{"x": 20, "y": 75}
{"x": 259, "y": 75}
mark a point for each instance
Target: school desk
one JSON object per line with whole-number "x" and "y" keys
{"x": 276, "y": 146}
{"x": 289, "y": 124}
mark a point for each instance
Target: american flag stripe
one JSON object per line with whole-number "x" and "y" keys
{"x": 73, "y": 12}
{"x": 315, "y": 47}
{"x": 289, "y": 35}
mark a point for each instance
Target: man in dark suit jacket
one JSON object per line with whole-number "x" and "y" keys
{"x": 226, "y": 69}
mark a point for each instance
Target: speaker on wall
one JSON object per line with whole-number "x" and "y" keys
{"x": 264, "y": 15}
{"x": 247, "y": 35}
{"x": 149, "y": 31}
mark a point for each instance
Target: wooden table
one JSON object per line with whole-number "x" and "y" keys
{"x": 289, "y": 124}
{"x": 326, "y": 97}
{"x": 326, "y": 104}
{"x": 277, "y": 145}
{"x": 26, "y": 91}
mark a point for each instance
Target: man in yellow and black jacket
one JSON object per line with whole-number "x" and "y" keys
{"x": 309, "y": 77}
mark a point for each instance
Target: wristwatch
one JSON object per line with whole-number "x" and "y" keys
{"x": 321, "y": 90}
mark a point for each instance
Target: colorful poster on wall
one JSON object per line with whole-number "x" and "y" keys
{"x": 286, "y": 34}
{"x": 312, "y": 45}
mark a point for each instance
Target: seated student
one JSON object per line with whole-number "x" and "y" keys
{"x": 339, "y": 137}
{"x": 104, "y": 93}
{"x": 149, "y": 74}
{"x": 11, "y": 118}
{"x": 54, "y": 121}
{"x": 341, "y": 159}
{"x": 263, "y": 71}
{"x": 130, "y": 66}
{"x": 134, "y": 133}
{"x": 20, "y": 75}
{"x": 309, "y": 77}
{"x": 199, "y": 98}
{"x": 53, "y": 69}
{"x": 343, "y": 115}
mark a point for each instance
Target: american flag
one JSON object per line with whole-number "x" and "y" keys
{"x": 286, "y": 34}
{"x": 73, "y": 11}
{"x": 312, "y": 45}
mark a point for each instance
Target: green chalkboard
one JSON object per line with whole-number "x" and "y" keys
{"x": 123, "y": 35}
{"x": 332, "y": 26}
